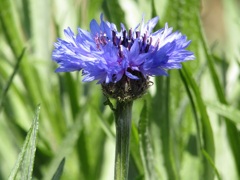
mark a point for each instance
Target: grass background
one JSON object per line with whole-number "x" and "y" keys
{"x": 186, "y": 127}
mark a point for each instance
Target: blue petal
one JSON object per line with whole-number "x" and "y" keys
{"x": 69, "y": 34}
{"x": 84, "y": 35}
{"x": 95, "y": 29}
{"x": 135, "y": 49}
{"x": 172, "y": 66}
{"x": 151, "y": 24}
{"x": 101, "y": 60}
{"x": 123, "y": 27}
{"x": 131, "y": 76}
{"x": 105, "y": 27}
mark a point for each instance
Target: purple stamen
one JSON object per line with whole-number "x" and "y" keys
{"x": 149, "y": 42}
{"x": 137, "y": 34}
{"x": 114, "y": 38}
{"x": 130, "y": 34}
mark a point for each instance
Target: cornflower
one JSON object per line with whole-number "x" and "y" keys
{"x": 122, "y": 63}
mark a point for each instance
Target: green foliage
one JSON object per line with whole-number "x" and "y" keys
{"x": 186, "y": 127}
{"x": 59, "y": 171}
{"x": 5, "y": 89}
{"x": 145, "y": 144}
{"x": 25, "y": 161}
{"x": 226, "y": 111}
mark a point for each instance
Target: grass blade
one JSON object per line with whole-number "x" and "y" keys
{"x": 134, "y": 148}
{"x": 5, "y": 89}
{"x": 67, "y": 145}
{"x": 113, "y": 16}
{"x": 232, "y": 131}
{"x": 145, "y": 145}
{"x": 9, "y": 28}
{"x": 207, "y": 133}
{"x": 212, "y": 163}
{"x": 162, "y": 119}
{"x": 26, "y": 157}
{"x": 226, "y": 111}
{"x": 59, "y": 171}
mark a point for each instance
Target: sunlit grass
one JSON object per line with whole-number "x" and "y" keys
{"x": 192, "y": 124}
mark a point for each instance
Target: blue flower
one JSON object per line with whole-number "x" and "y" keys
{"x": 106, "y": 55}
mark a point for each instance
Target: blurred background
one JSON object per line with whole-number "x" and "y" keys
{"x": 193, "y": 115}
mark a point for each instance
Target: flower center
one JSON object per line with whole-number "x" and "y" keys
{"x": 125, "y": 40}
{"x": 101, "y": 40}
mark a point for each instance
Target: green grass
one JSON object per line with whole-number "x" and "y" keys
{"x": 185, "y": 127}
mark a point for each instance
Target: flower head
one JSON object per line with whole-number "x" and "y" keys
{"x": 109, "y": 56}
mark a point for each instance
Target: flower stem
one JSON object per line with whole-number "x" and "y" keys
{"x": 123, "y": 115}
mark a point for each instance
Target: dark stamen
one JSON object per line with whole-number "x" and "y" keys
{"x": 130, "y": 34}
{"x": 137, "y": 34}
{"x": 149, "y": 42}
{"x": 97, "y": 41}
{"x": 124, "y": 40}
{"x": 103, "y": 39}
{"x": 120, "y": 52}
{"x": 144, "y": 38}
{"x": 146, "y": 48}
{"x": 129, "y": 44}
{"x": 124, "y": 34}
{"x": 120, "y": 41}
{"x": 114, "y": 38}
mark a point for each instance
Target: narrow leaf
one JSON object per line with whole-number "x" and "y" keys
{"x": 59, "y": 170}
{"x": 207, "y": 133}
{"x": 145, "y": 145}
{"x": 111, "y": 13}
{"x": 67, "y": 145}
{"x": 26, "y": 157}
{"x": 212, "y": 163}
{"x": 161, "y": 116}
{"x": 232, "y": 131}
{"x": 104, "y": 125}
{"x": 134, "y": 148}
{"x": 5, "y": 89}
{"x": 225, "y": 111}
{"x": 9, "y": 28}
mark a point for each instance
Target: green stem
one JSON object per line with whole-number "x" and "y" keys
{"x": 123, "y": 115}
